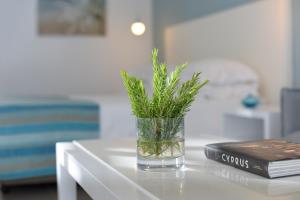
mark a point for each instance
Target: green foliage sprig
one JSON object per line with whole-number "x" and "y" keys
{"x": 169, "y": 99}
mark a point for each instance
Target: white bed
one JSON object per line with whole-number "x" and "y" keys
{"x": 206, "y": 117}
{"x": 230, "y": 82}
{"x": 117, "y": 121}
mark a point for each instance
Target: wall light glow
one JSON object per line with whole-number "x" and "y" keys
{"x": 138, "y": 28}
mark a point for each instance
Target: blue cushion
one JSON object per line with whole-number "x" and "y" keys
{"x": 30, "y": 128}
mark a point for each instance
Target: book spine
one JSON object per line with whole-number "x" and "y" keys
{"x": 239, "y": 161}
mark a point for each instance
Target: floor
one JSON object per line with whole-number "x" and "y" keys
{"x": 37, "y": 192}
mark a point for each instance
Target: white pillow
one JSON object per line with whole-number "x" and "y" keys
{"x": 222, "y": 72}
{"x": 231, "y": 92}
{"x": 227, "y": 79}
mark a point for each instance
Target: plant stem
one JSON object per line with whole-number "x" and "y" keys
{"x": 158, "y": 137}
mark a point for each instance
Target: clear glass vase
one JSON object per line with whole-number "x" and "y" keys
{"x": 160, "y": 143}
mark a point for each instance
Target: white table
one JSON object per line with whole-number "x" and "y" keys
{"x": 252, "y": 124}
{"x": 106, "y": 169}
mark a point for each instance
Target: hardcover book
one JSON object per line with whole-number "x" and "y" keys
{"x": 269, "y": 187}
{"x": 268, "y": 158}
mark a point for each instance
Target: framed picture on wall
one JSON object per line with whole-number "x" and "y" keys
{"x": 71, "y": 17}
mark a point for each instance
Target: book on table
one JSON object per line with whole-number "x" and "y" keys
{"x": 268, "y": 158}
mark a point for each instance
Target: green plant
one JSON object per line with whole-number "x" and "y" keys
{"x": 170, "y": 100}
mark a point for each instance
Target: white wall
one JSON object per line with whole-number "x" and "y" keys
{"x": 258, "y": 34}
{"x": 30, "y": 64}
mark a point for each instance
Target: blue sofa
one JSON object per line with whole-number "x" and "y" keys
{"x": 29, "y": 129}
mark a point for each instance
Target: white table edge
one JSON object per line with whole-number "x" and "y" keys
{"x": 66, "y": 180}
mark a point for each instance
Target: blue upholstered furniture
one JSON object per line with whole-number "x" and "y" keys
{"x": 290, "y": 114}
{"x": 30, "y": 127}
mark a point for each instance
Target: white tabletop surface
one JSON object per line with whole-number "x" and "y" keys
{"x": 200, "y": 179}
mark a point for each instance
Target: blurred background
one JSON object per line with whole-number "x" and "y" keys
{"x": 75, "y": 49}
{"x": 36, "y": 60}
